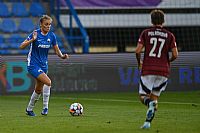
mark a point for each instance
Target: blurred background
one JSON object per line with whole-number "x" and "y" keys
{"x": 100, "y": 26}
{"x": 100, "y": 36}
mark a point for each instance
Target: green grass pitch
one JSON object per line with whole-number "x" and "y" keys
{"x": 178, "y": 112}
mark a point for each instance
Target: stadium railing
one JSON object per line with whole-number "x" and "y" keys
{"x": 83, "y": 37}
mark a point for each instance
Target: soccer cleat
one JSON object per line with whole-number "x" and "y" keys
{"x": 30, "y": 113}
{"x": 151, "y": 111}
{"x": 44, "y": 111}
{"x": 146, "y": 125}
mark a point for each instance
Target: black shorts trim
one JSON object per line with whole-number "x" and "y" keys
{"x": 160, "y": 87}
{"x": 144, "y": 87}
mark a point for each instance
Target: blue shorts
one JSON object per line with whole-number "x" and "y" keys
{"x": 36, "y": 70}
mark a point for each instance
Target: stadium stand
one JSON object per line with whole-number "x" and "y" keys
{"x": 19, "y": 10}
{"x": 36, "y": 9}
{"x": 14, "y": 40}
{"x": 4, "y": 12}
{"x": 8, "y": 25}
{"x": 3, "y": 45}
{"x": 117, "y": 24}
{"x": 18, "y": 19}
{"x": 26, "y": 25}
{"x": 59, "y": 40}
{"x": 112, "y": 26}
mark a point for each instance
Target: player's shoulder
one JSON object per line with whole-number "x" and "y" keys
{"x": 147, "y": 29}
{"x": 167, "y": 31}
{"x": 37, "y": 30}
{"x": 51, "y": 33}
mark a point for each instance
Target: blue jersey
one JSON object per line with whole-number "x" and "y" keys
{"x": 38, "y": 53}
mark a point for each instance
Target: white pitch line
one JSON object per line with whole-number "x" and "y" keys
{"x": 127, "y": 101}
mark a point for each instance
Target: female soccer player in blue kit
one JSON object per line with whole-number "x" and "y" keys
{"x": 40, "y": 41}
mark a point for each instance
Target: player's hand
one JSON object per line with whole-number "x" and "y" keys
{"x": 140, "y": 65}
{"x": 34, "y": 35}
{"x": 65, "y": 56}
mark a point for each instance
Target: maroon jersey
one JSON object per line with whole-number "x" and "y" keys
{"x": 157, "y": 42}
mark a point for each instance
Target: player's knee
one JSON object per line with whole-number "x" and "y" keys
{"x": 38, "y": 91}
{"x": 156, "y": 105}
{"x": 48, "y": 83}
{"x": 141, "y": 97}
{"x": 156, "y": 108}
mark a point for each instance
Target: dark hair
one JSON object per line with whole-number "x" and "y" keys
{"x": 157, "y": 17}
{"x": 44, "y": 17}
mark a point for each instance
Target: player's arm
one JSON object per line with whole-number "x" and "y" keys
{"x": 173, "y": 49}
{"x": 25, "y": 43}
{"x": 174, "y": 54}
{"x": 59, "y": 53}
{"x": 138, "y": 54}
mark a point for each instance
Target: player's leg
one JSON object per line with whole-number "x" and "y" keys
{"x": 145, "y": 88}
{"x": 46, "y": 92}
{"x": 151, "y": 108}
{"x": 34, "y": 98}
{"x": 160, "y": 84}
{"x": 145, "y": 99}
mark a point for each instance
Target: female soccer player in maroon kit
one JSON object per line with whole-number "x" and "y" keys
{"x": 155, "y": 67}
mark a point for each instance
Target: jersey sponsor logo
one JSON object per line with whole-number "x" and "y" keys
{"x": 43, "y": 46}
{"x": 43, "y": 42}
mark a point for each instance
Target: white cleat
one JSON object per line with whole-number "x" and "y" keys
{"x": 146, "y": 125}
{"x": 151, "y": 110}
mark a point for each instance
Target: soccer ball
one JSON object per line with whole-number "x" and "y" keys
{"x": 76, "y": 109}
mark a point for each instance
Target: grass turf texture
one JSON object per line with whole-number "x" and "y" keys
{"x": 178, "y": 112}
